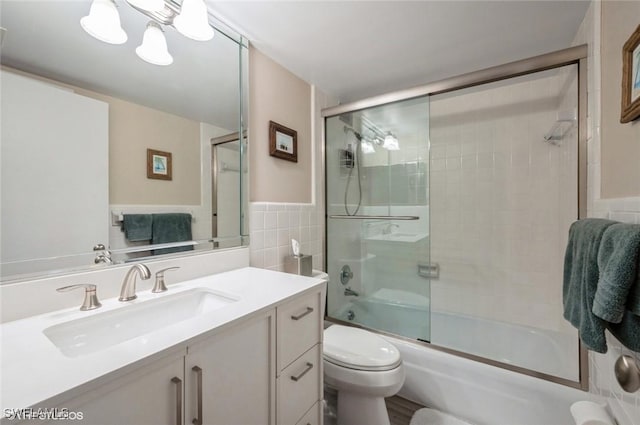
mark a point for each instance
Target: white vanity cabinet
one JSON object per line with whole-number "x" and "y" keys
{"x": 299, "y": 382}
{"x": 262, "y": 369}
{"x": 150, "y": 395}
{"x": 230, "y": 377}
{"x": 225, "y": 379}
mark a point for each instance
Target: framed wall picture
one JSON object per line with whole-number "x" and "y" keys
{"x": 631, "y": 78}
{"x": 283, "y": 142}
{"x": 159, "y": 165}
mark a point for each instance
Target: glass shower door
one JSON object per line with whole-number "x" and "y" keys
{"x": 504, "y": 191}
{"x": 377, "y": 198}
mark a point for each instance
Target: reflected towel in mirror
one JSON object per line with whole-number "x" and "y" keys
{"x": 171, "y": 227}
{"x": 137, "y": 227}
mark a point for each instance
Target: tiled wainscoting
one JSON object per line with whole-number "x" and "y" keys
{"x": 602, "y": 379}
{"x": 273, "y": 225}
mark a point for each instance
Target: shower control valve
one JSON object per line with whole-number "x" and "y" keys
{"x": 345, "y": 274}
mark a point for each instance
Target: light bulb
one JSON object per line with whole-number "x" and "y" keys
{"x": 193, "y": 20}
{"x": 103, "y": 22}
{"x": 367, "y": 147}
{"x": 154, "y": 46}
{"x": 391, "y": 142}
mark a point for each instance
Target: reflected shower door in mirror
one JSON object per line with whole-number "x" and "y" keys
{"x": 377, "y": 170}
{"x": 225, "y": 188}
{"x": 79, "y": 116}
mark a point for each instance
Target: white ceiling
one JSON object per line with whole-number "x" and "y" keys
{"x": 44, "y": 37}
{"x": 357, "y": 49}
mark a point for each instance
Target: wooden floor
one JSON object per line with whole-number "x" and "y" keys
{"x": 401, "y": 410}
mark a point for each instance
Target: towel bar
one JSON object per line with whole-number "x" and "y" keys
{"x": 118, "y": 216}
{"x": 375, "y": 217}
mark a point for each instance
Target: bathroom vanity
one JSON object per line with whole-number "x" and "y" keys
{"x": 240, "y": 347}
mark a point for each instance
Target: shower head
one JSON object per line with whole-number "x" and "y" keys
{"x": 355, "y": 133}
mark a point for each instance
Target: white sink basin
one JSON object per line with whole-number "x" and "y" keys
{"x": 87, "y": 335}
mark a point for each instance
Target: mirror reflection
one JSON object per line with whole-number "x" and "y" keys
{"x": 108, "y": 156}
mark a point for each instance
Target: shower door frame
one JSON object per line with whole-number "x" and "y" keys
{"x": 571, "y": 56}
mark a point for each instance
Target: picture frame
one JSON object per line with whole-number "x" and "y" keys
{"x": 159, "y": 165}
{"x": 630, "y": 110}
{"x": 283, "y": 142}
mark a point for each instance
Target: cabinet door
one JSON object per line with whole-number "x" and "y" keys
{"x": 151, "y": 395}
{"x": 231, "y": 376}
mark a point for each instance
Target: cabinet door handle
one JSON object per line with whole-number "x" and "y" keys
{"x": 198, "y": 371}
{"x": 304, "y": 372}
{"x": 178, "y": 383}
{"x": 309, "y": 310}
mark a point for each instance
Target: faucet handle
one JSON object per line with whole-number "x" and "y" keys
{"x": 159, "y": 285}
{"x": 90, "y": 301}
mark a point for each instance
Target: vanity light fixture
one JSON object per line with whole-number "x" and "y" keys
{"x": 190, "y": 18}
{"x": 391, "y": 142}
{"x": 154, "y": 46}
{"x": 148, "y": 5}
{"x": 103, "y": 22}
{"x": 193, "y": 20}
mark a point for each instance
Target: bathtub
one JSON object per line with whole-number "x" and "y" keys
{"x": 550, "y": 352}
{"x": 479, "y": 393}
{"x": 483, "y": 394}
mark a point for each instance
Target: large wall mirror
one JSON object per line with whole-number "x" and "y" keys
{"x": 107, "y": 158}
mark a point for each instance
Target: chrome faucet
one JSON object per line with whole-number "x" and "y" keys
{"x": 350, "y": 292}
{"x": 128, "y": 290}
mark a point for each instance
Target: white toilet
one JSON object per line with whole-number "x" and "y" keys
{"x": 364, "y": 368}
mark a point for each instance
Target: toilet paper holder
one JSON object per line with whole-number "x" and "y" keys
{"x": 627, "y": 373}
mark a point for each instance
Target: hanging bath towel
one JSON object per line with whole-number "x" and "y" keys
{"x": 580, "y": 281}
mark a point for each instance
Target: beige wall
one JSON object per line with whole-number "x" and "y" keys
{"x": 278, "y": 95}
{"x": 620, "y": 142}
{"x": 134, "y": 128}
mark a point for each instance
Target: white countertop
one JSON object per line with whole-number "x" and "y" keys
{"x": 36, "y": 373}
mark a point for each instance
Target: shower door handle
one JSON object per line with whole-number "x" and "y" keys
{"x": 429, "y": 271}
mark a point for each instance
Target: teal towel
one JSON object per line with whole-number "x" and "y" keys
{"x": 627, "y": 331}
{"x": 581, "y": 279}
{"x": 171, "y": 227}
{"x": 137, "y": 227}
{"x": 633, "y": 303}
{"x": 618, "y": 263}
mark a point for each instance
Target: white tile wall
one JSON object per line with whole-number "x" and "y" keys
{"x": 273, "y": 225}
{"x": 501, "y": 201}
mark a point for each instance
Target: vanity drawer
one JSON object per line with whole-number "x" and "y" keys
{"x": 312, "y": 417}
{"x": 299, "y": 387}
{"x": 299, "y": 327}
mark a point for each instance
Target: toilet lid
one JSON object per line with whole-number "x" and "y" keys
{"x": 359, "y": 349}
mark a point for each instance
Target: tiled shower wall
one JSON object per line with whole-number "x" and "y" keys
{"x": 498, "y": 219}
{"x": 273, "y": 225}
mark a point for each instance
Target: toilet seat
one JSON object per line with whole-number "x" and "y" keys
{"x": 358, "y": 349}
